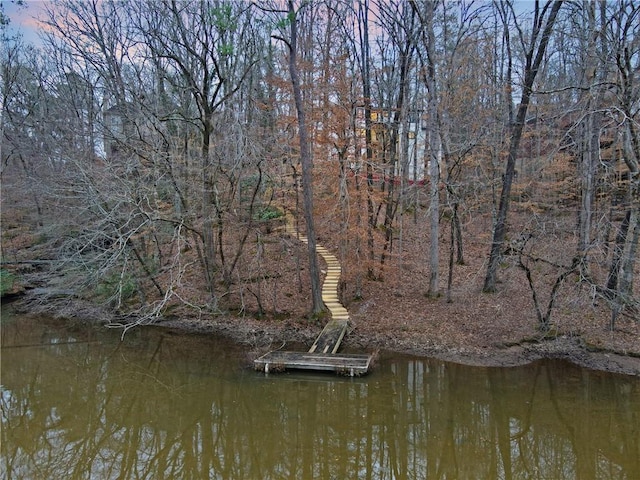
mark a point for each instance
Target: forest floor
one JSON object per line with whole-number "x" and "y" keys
{"x": 393, "y": 313}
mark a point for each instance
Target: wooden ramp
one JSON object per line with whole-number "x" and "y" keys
{"x": 323, "y": 353}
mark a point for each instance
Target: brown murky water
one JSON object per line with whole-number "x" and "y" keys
{"x": 79, "y": 404}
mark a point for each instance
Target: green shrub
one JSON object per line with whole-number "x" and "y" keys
{"x": 6, "y": 281}
{"x": 113, "y": 284}
{"x": 268, "y": 213}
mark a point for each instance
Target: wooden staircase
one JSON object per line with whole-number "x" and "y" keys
{"x": 323, "y": 353}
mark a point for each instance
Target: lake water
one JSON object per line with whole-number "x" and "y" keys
{"x": 78, "y": 403}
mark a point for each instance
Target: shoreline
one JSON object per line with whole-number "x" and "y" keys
{"x": 261, "y": 336}
{"x": 566, "y": 348}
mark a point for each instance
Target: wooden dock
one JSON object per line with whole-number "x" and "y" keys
{"x": 277, "y": 361}
{"x": 323, "y": 353}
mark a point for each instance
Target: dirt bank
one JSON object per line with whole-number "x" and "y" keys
{"x": 261, "y": 335}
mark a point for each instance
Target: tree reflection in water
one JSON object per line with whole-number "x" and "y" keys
{"x": 169, "y": 406}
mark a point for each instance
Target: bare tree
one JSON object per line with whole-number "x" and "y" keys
{"x": 305, "y": 157}
{"x": 534, "y": 49}
{"x": 623, "y": 35}
{"x": 198, "y": 41}
{"x": 434, "y": 137}
{"x": 22, "y": 134}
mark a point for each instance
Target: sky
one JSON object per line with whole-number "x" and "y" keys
{"x": 22, "y": 18}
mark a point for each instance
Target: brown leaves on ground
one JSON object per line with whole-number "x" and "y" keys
{"x": 394, "y": 312}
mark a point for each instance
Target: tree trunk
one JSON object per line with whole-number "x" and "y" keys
{"x": 208, "y": 200}
{"x": 594, "y": 75}
{"x": 619, "y": 285}
{"x": 434, "y": 207}
{"x": 307, "y": 166}
{"x": 434, "y": 153}
{"x": 363, "y": 22}
{"x": 625, "y": 283}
